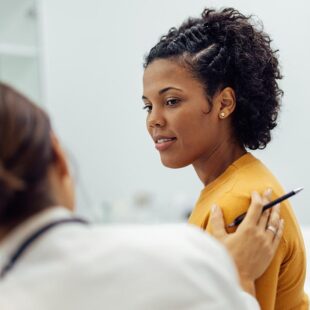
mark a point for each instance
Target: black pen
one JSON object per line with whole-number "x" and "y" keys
{"x": 269, "y": 205}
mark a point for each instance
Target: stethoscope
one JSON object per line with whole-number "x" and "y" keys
{"x": 23, "y": 247}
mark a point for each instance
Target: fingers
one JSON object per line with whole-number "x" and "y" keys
{"x": 254, "y": 211}
{"x": 278, "y": 236}
{"x": 217, "y": 223}
{"x": 267, "y": 195}
{"x": 262, "y": 222}
{"x": 274, "y": 222}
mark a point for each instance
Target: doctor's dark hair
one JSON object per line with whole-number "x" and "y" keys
{"x": 227, "y": 49}
{"x": 25, "y": 155}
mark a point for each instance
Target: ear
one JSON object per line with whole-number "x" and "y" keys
{"x": 60, "y": 159}
{"x": 226, "y": 102}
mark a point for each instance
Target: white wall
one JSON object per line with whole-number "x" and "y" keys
{"x": 93, "y": 53}
{"x": 19, "y": 64}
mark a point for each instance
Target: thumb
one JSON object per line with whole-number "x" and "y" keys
{"x": 217, "y": 223}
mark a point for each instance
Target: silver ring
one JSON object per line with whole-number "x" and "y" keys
{"x": 272, "y": 229}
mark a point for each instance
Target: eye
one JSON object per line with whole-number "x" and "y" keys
{"x": 147, "y": 108}
{"x": 172, "y": 102}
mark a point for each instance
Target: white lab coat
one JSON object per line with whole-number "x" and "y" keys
{"x": 74, "y": 267}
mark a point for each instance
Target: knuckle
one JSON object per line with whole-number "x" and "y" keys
{"x": 259, "y": 237}
{"x": 266, "y": 213}
{"x": 274, "y": 222}
{"x": 250, "y": 230}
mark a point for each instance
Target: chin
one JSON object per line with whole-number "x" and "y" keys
{"x": 174, "y": 164}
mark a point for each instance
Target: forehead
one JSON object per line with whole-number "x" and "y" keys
{"x": 163, "y": 73}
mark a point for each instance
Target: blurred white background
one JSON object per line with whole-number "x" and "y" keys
{"x": 19, "y": 54}
{"x": 82, "y": 61}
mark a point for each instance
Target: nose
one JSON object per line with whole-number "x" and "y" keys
{"x": 156, "y": 119}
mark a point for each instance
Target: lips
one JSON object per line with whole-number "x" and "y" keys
{"x": 163, "y": 143}
{"x": 160, "y": 141}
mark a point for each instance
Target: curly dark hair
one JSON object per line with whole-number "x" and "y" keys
{"x": 227, "y": 49}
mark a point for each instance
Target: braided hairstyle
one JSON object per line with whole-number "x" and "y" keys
{"x": 25, "y": 155}
{"x": 226, "y": 49}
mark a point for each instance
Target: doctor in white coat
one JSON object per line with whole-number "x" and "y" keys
{"x": 50, "y": 259}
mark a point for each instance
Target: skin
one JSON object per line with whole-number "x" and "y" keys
{"x": 258, "y": 244}
{"x": 60, "y": 180}
{"x": 178, "y": 108}
{"x": 251, "y": 247}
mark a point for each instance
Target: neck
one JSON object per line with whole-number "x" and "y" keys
{"x": 4, "y": 231}
{"x": 209, "y": 167}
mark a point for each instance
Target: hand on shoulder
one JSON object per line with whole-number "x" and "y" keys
{"x": 254, "y": 243}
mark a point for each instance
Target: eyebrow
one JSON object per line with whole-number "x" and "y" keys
{"x": 164, "y": 90}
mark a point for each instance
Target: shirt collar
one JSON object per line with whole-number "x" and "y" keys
{"x": 9, "y": 244}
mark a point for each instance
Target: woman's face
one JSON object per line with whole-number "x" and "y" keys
{"x": 180, "y": 120}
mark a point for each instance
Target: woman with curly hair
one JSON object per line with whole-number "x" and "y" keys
{"x": 211, "y": 92}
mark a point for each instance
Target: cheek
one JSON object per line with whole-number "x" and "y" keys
{"x": 192, "y": 127}
{"x": 148, "y": 128}
{"x": 69, "y": 189}
{"x": 199, "y": 134}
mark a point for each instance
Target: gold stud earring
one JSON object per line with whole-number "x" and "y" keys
{"x": 222, "y": 115}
